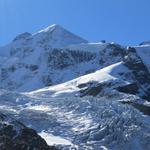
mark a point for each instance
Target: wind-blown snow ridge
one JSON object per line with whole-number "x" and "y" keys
{"x": 50, "y": 28}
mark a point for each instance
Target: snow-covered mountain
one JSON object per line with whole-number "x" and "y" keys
{"x": 34, "y": 61}
{"x": 77, "y": 94}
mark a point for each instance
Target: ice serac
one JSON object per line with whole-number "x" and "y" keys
{"x": 87, "y": 122}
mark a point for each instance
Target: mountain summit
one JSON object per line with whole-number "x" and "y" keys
{"x": 58, "y": 37}
{"x": 51, "y": 28}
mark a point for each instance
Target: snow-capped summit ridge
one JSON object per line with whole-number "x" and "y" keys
{"x": 50, "y": 28}
{"x": 57, "y": 33}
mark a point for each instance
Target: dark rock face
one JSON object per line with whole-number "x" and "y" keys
{"x": 131, "y": 88}
{"x": 117, "y": 50}
{"x": 139, "y": 71}
{"x": 113, "y": 52}
{"x": 15, "y": 136}
{"x": 60, "y": 59}
{"x": 92, "y": 91}
{"x": 93, "y": 88}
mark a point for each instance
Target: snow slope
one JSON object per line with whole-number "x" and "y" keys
{"x": 57, "y": 37}
{"x": 108, "y": 74}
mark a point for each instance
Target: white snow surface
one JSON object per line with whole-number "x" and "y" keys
{"x": 58, "y": 37}
{"x": 108, "y": 74}
{"x": 54, "y": 140}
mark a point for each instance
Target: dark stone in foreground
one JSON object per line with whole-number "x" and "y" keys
{"x": 15, "y": 136}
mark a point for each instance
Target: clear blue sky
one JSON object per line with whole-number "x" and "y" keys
{"x": 122, "y": 21}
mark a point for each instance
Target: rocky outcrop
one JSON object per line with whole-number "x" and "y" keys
{"x": 140, "y": 72}
{"x": 15, "y": 136}
{"x": 61, "y": 59}
{"x": 113, "y": 53}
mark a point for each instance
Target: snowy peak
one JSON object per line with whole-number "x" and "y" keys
{"x": 58, "y": 37}
{"x": 51, "y": 28}
{"x": 49, "y": 38}
{"x": 54, "y": 36}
